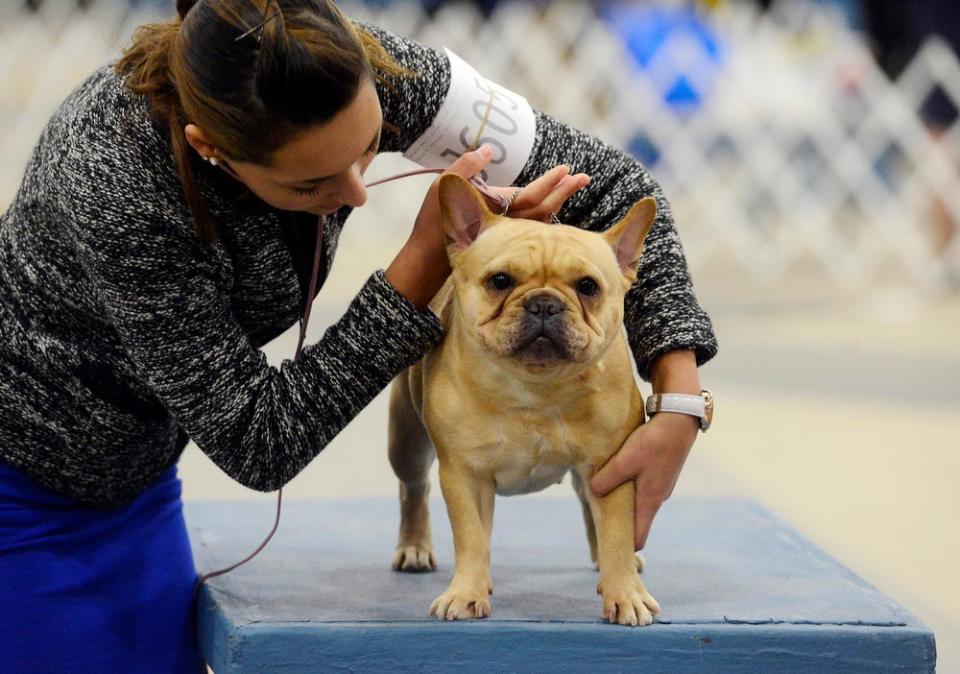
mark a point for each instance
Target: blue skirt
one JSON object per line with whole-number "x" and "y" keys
{"x": 88, "y": 590}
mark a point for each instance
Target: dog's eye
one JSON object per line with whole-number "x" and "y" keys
{"x": 587, "y": 286}
{"x": 500, "y": 281}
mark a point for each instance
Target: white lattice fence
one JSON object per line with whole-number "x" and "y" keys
{"x": 801, "y": 152}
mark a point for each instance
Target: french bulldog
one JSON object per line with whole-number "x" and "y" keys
{"x": 533, "y": 379}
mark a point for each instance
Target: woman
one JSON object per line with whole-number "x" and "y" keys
{"x": 164, "y": 232}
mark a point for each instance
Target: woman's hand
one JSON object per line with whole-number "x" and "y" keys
{"x": 652, "y": 457}
{"x": 421, "y": 267}
{"x": 655, "y": 452}
{"x": 541, "y": 199}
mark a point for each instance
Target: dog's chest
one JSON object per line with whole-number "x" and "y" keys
{"x": 528, "y": 456}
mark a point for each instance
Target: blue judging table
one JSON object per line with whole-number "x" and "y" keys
{"x": 740, "y": 591}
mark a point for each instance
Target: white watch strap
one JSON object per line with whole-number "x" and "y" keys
{"x": 676, "y": 402}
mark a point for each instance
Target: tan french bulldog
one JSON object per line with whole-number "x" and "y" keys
{"x": 532, "y": 380}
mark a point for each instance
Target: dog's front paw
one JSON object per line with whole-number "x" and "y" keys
{"x": 463, "y": 600}
{"x": 414, "y": 557}
{"x": 626, "y": 600}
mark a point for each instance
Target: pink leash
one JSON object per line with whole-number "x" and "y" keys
{"x": 305, "y": 320}
{"x": 477, "y": 182}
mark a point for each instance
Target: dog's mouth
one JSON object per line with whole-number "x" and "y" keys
{"x": 541, "y": 345}
{"x": 541, "y": 349}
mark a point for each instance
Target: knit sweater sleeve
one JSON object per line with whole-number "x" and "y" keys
{"x": 661, "y": 312}
{"x": 260, "y": 424}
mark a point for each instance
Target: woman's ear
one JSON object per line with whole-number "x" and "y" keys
{"x": 198, "y": 141}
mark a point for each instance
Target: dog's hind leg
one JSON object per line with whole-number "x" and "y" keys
{"x": 411, "y": 455}
{"x": 579, "y": 487}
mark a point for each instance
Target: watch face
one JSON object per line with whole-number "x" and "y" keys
{"x": 707, "y": 409}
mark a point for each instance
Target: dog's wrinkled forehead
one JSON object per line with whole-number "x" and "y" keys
{"x": 542, "y": 253}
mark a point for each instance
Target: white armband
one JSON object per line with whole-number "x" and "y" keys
{"x": 478, "y": 112}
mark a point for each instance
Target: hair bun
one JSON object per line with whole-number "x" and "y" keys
{"x": 183, "y": 6}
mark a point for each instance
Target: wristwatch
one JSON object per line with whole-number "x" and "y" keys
{"x": 700, "y": 406}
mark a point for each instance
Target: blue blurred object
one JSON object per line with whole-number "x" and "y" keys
{"x": 644, "y": 149}
{"x": 850, "y": 10}
{"x": 660, "y": 38}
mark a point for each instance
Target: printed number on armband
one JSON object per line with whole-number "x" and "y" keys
{"x": 478, "y": 112}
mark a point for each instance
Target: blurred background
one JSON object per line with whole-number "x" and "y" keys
{"x": 811, "y": 152}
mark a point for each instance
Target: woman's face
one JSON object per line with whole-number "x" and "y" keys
{"x": 321, "y": 169}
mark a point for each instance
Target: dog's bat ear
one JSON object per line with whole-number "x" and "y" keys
{"x": 463, "y": 210}
{"x": 626, "y": 237}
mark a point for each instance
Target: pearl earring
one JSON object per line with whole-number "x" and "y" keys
{"x": 213, "y": 161}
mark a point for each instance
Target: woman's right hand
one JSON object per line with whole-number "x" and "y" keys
{"x": 421, "y": 267}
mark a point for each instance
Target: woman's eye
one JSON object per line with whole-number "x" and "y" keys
{"x": 306, "y": 192}
{"x": 587, "y": 286}
{"x": 500, "y": 281}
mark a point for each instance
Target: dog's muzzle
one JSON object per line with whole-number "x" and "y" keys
{"x": 543, "y": 332}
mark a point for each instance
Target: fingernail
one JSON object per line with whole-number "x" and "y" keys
{"x": 486, "y": 151}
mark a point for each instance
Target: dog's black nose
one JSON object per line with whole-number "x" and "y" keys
{"x": 543, "y": 305}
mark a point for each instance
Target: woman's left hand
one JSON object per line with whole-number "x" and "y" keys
{"x": 652, "y": 457}
{"x": 543, "y": 197}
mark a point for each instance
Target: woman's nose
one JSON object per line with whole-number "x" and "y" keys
{"x": 352, "y": 192}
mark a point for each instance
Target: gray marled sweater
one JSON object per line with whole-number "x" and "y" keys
{"x": 122, "y": 336}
